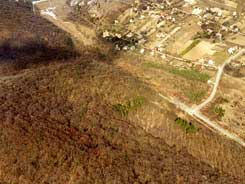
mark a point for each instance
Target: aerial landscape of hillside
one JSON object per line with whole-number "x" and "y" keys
{"x": 122, "y": 91}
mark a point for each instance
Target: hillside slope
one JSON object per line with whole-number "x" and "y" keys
{"x": 57, "y": 121}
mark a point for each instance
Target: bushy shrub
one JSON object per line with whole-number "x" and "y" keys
{"x": 187, "y": 126}
{"x": 133, "y": 104}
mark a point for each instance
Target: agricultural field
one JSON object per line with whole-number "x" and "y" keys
{"x": 182, "y": 38}
{"x": 186, "y": 84}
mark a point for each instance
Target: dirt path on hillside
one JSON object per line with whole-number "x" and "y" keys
{"x": 218, "y": 79}
{"x": 9, "y": 78}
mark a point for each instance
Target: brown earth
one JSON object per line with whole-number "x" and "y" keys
{"x": 57, "y": 122}
{"x": 230, "y": 98}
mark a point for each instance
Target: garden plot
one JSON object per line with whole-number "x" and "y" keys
{"x": 200, "y": 50}
{"x": 145, "y": 26}
{"x": 124, "y": 17}
{"x": 187, "y": 32}
{"x": 160, "y": 39}
{"x": 237, "y": 39}
{"x": 220, "y": 56}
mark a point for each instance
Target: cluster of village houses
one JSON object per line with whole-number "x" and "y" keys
{"x": 148, "y": 28}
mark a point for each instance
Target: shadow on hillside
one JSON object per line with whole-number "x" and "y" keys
{"x": 22, "y": 55}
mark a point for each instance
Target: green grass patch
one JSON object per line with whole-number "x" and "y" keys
{"x": 190, "y": 47}
{"x": 201, "y": 35}
{"x": 221, "y": 100}
{"x": 116, "y": 28}
{"x": 195, "y": 95}
{"x": 191, "y": 74}
{"x": 187, "y": 126}
{"x": 154, "y": 65}
{"x": 186, "y": 73}
{"x": 219, "y": 111}
{"x": 133, "y": 104}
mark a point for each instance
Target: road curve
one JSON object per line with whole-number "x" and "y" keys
{"x": 218, "y": 78}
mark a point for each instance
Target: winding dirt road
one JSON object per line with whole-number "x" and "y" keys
{"x": 218, "y": 78}
{"x": 196, "y": 111}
